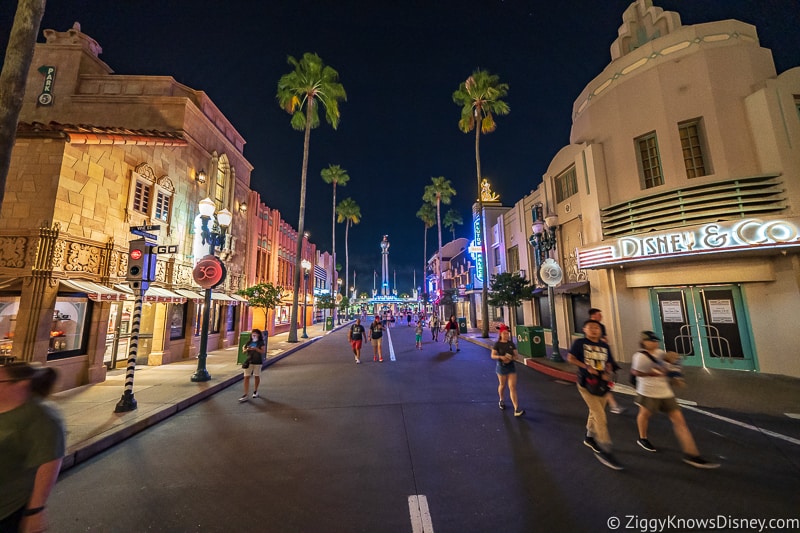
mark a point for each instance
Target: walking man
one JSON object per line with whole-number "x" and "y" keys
{"x": 355, "y": 337}
{"x": 435, "y": 328}
{"x": 597, "y": 314}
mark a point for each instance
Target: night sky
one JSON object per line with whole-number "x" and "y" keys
{"x": 399, "y": 63}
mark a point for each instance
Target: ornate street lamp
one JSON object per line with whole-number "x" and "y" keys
{"x": 339, "y": 299}
{"x": 548, "y": 271}
{"x": 209, "y": 272}
{"x": 306, "y": 264}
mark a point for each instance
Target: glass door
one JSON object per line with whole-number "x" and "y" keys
{"x": 708, "y": 326}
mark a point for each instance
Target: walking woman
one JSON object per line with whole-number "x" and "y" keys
{"x": 435, "y": 328}
{"x": 256, "y": 350}
{"x": 504, "y": 352}
{"x": 31, "y": 446}
{"x": 451, "y": 333}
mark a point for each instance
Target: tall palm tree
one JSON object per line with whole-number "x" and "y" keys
{"x": 427, "y": 214}
{"x": 480, "y": 100}
{"x": 14, "y": 76}
{"x": 334, "y": 175}
{"x": 349, "y": 213}
{"x": 451, "y": 218}
{"x": 300, "y": 93}
{"x": 439, "y": 192}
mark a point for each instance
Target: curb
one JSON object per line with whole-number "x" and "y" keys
{"x": 531, "y": 363}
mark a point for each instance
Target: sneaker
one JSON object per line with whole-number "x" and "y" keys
{"x": 502, "y": 405}
{"x": 375, "y": 358}
{"x": 358, "y": 361}
{"x": 608, "y": 460}
{"x": 243, "y": 399}
{"x": 255, "y": 394}
{"x": 591, "y": 443}
{"x": 519, "y": 412}
{"x": 618, "y": 410}
{"x": 698, "y": 462}
{"x": 380, "y": 360}
{"x": 644, "y": 443}
{"x": 458, "y": 349}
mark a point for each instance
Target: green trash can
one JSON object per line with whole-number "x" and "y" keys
{"x": 244, "y": 338}
{"x": 462, "y": 324}
{"x": 524, "y": 341}
{"x": 537, "y": 341}
{"x": 328, "y": 323}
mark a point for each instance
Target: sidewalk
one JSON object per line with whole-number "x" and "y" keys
{"x": 748, "y": 392}
{"x": 160, "y": 391}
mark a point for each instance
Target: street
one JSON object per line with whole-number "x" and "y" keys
{"x": 334, "y": 446}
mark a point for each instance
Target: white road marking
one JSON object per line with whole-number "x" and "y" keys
{"x": 744, "y": 425}
{"x": 420, "y": 515}
{"x": 793, "y": 415}
{"x": 391, "y": 346}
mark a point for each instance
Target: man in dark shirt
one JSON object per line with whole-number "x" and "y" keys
{"x": 355, "y": 337}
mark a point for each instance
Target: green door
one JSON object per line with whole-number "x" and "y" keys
{"x": 708, "y": 326}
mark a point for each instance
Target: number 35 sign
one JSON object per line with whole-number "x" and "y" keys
{"x": 209, "y": 272}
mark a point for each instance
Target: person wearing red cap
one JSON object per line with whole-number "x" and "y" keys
{"x": 504, "y": 351}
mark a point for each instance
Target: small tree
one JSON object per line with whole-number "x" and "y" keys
{"x": 344, "y": 305}
{"x": 509, "y": 290}
{"x": 326, "y": 301}
{"x": 262, "y": 296}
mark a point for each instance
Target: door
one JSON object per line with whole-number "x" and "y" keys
{"x": 118, "y": 334}
{"x": 708, "y": 326}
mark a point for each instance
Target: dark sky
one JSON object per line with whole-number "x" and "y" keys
{"x": 399, "y": 62}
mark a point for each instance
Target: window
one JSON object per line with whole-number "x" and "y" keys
{"x": 581, "y": 303}
{"x": 566, "y": 184}
{"x": 513, "y": 259}
{"x": 141, "y": 197}
{"x": 163, "y": 203}
{"x": 177, "y": 321}
{"x": 219, "y": 187}
{"x": 691, "y": 146}
{"x": 68, "y": 333}
{"x": 797, "y": 105}
{"x": 150, "y": 197}
{"x": 649, "y": 161}
{"x": 543, "y": 306}
{"x": 497, "y": 262}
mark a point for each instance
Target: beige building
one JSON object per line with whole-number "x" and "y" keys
{"x": 96, "y": 155}
{"x": 678, "y": 195}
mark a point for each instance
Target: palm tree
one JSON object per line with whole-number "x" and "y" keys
{"x": 334, "y": 175}
{"x": 480, "y": 100}
{"x": 350, "y": 214}
{"x": 310, "y": 84}
{"x": 439, "y": 192}
{"x": 427, "y": 214}
{"x": 18, "y": 57}
{"x": 452, "y": 218}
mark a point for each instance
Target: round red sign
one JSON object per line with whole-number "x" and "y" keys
{"x": 209, "y": 272}
{"x": 136, "y": 255}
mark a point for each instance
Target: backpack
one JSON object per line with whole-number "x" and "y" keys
{"x": 653, "y": 359}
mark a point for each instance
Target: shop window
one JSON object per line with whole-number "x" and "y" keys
{"x": 68, "y": 332}
{"x": 691, "y": 135}
{"x": 581, "y": 303}
{"x": 177, "y": 321}
{"x": 216, "y": 317}
{"x": 566, "y": 184}
{"x": 9, "y": 306}
{"x": 543, "y": 306}
{"x": 282, "y": 314}
{"x": 230, "y": 318}
{"x": 649, "y": 161}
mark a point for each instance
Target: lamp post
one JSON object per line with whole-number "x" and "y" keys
{"x": 338, "y": 299}
{"x": 306, "y": 264}
{"x": 209, "y": 272}
{"x": 544, "y": 241}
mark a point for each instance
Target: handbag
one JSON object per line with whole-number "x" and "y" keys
{"x": 596, "y": 385}
{"x": 246, "y": 362}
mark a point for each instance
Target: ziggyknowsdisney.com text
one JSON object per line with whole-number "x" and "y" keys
{"x": 727, "y": 522}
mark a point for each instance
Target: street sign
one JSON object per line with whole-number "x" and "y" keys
{"x": 145, "y": 228}
{"x": 171, "y": 249}
{"x": 142, "y": 233}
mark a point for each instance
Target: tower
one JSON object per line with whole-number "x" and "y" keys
{"x": 385, "y": 266}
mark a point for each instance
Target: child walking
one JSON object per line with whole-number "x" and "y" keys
{"x": 418, "y": 334}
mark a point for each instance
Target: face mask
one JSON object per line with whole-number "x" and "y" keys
{"x": 255, "y": 337}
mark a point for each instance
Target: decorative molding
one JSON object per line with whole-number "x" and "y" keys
{"x": 13, "y": 251}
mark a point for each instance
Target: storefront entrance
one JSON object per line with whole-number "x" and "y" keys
{"x": 708, "y": 326}
{"x": 118, "y": 334}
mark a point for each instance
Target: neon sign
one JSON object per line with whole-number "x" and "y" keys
{"x": 476, "y": 245}
{"x": 741, "y": 235}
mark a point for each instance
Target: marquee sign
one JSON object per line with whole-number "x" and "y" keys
{"x": 721, "y": 237}
{"x": 475, "y": 248}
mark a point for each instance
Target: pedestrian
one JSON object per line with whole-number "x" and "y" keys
{"x": 408, "y": 317}
{"x": 504, "y": 351}
{"x": 595, "y": 364}
{"x": 435, "y": 328}
{"x": 355, "y": 336}
{"x": 376, "y": 338}
{"x": 418, "y": 334}
{"x": 597, "y": 314}
{"x": 256, "y": 350}
{"x": 451, "y": 333}
{"x": 31, "y": 446}
{"x": 655, "y": 394}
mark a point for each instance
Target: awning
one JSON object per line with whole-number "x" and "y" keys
{"x": 10, "y": 283}
{"x": 580, "y": 287}
{"x": 539, "y": 292}
{"x": 222, "y": 297}
{"x": 155, "y": 294}
{"x": 95, "y": 292}
{"x": 191, "y": 295}
{"x": 237, "y": 297}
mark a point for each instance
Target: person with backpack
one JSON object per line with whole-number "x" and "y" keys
{"x": 655, "y": 394}
{"x": 256, "y": 350}
{"x": 355, "y": 337}
{"x": 597, "y": 314}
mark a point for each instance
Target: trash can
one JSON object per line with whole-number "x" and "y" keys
{"x": 524, "y": 341}
{"x": 244, "y": 338}
{"x": 328, "y": 323}
{"x": 462, "y": 324}
{"x": 536, "y": 334}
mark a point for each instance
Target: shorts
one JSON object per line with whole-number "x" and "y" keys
{"x": 654, "y": 405}
{"x": 252, "y": 370}
{"x": 376, "y": 342}
{"x": 419, "y": 338}
{"x": 504, "y": 370}
{"x": 356, "y": 344}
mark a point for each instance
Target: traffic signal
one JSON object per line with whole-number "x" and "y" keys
{"x": 141, "y": 261}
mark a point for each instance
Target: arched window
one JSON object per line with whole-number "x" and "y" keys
{"x": 220, "y": 183}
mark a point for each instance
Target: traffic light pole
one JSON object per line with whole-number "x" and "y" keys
{"x": 128, "y": 402}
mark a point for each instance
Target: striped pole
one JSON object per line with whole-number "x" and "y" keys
{"x": 128, "y": 402}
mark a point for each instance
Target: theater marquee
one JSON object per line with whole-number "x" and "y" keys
{"x": 736, "y": 236}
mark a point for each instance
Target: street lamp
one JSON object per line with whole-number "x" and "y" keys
{"x": 338, "y": 294}
{"x": 209, "y": 272}
{"x": 544, "y": 241}
{"x": 306, "y": 264}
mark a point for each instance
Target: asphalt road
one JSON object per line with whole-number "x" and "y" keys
{"x": 419, "y": 444}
